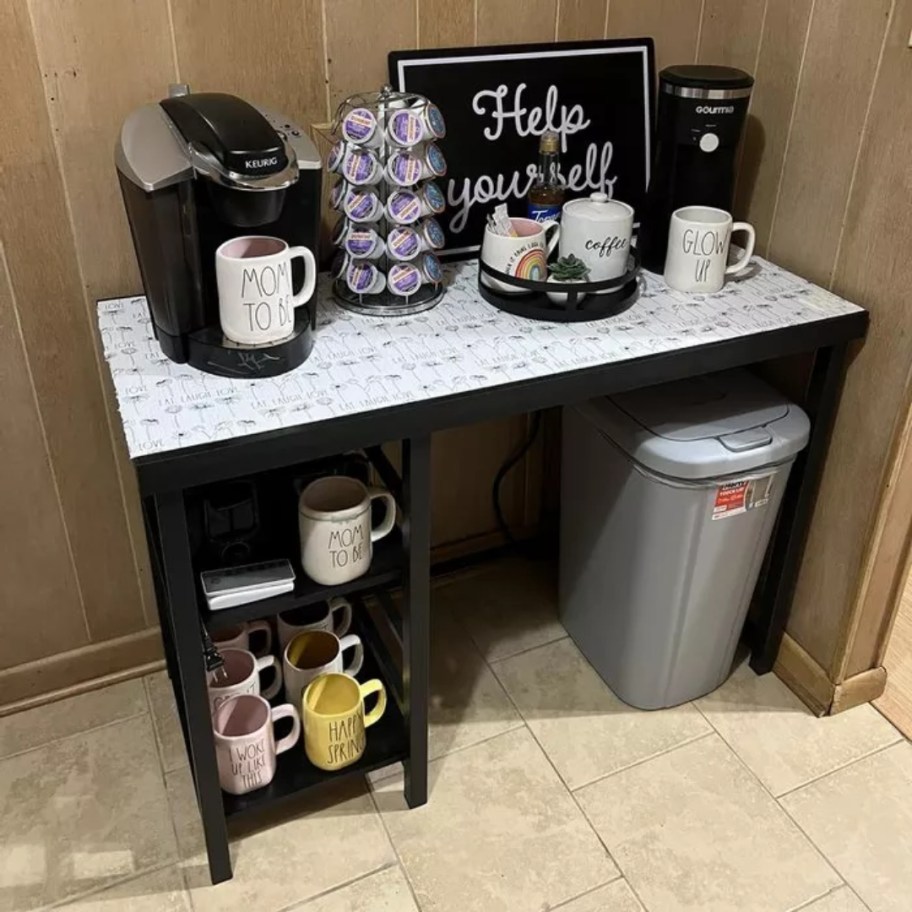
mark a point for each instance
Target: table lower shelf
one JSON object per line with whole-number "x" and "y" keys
{"x": 387, "y": 742}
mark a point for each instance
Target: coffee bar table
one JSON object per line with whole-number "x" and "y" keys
{"x": 372, "y": 380}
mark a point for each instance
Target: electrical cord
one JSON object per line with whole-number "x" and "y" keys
{"x": 511, "y": 462}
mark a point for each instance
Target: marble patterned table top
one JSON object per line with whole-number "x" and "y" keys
{"x": 362, "y": 363}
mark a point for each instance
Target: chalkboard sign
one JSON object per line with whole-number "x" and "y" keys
{"x": 497, "y": 101}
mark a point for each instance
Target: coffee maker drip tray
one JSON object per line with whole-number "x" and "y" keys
{"x": 208, "y": 350}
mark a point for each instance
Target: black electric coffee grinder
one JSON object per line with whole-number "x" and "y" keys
{"x": 196, "y": 170}
{"x": 701, "y": 115}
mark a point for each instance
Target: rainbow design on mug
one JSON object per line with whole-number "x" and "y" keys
{"x": 531, "y": 265}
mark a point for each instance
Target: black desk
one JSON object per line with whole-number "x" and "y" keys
{"x": 371, "y": 380}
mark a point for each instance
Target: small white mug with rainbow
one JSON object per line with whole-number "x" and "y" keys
{"x": 524, "y": 256}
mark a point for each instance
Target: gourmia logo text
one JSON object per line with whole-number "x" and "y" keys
{"x": 716, "y": 109}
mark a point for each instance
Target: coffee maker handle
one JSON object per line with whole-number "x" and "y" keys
{"x": 310, "y": 275}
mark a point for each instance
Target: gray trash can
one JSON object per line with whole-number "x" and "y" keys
{"x": 668, "y": 499}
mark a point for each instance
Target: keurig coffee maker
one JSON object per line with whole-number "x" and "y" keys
{"x": 199, "y": 169}
{"x": 701, "y": 114}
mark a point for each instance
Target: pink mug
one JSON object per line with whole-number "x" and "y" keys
{"x": 245, "y": 744}
{"x": 241, "y": 675}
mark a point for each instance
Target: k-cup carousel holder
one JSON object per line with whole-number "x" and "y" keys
{"x": 386, "y": 160}
{"x": 584, "y": 300}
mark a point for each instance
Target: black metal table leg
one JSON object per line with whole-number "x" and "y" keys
{"x": 416, "y": 533}
{"x": 183, "y": 617}
{"x": 787, "y": 547}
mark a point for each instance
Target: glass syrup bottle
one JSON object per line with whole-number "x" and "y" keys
{"x": 547, "y": 194}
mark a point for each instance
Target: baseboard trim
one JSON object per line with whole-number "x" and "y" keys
{"x": 80, "y": 670}
{"x": 809, "y": 681}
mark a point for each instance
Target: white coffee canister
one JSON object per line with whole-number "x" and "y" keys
{"x": 597, "y": 230}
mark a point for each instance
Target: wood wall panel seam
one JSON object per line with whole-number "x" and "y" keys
{"x": 329, "y": 109}
{"x": 4, "y": 268}
{"x": 173, "y": 34}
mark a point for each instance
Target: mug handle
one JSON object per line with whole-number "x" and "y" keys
{"x": 337, "y": 603}
{"x": 310, "y": 275}
{"x": 389, "y": 518}
{"x": 287, "y": 711}
{"x": 749, "y": 250}
{"x": 256, "y": 627}
{"x": 551, "y": 242}
{"x": 367, "y": 688}
{"x": 352, "y": 641}
{"x": 262, "y": 664}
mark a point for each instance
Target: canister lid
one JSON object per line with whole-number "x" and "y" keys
{"x": 598, "y": 207}
{"x": 705, "y": 76}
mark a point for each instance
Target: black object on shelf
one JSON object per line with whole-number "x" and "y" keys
{"x": 585, "y": 300}
{"x": 387, "y": 742}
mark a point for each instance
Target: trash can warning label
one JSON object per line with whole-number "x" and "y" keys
{"x": 738, "y": 497}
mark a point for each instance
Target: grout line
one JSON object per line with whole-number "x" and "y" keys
{"x": 76, "y": 734}
{"x": 607, "y": 14}
{"x": 401, "y": 866}
{"x": 174, "y": 55}
{"x": 838, "y": 769}
{"x": 861, "y": 144}
{"x": 300, "y": 903}
{"x": 566, "y": 902}
{"x": 4, "y": 265}
{"x": 699, "y": 31}
{"x": 158, "y": 743}
{"x": 110, "y": 885}
{"x": 844, "y": 886}
{"x": 788, "y": 135}
{"x": 492, "y": 662}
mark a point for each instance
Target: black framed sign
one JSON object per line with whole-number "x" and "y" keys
{"x": 498, "y": 100}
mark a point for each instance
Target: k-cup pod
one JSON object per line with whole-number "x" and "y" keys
{"x": 430, "y": 268}
{"x": 361, "y": 167}
{"x": 405, "y": 169}
{"x": 340, "y": 264}
{"x": 432, "y": 234}
{"x": 337, "y": 194}
{"x": 362, "y": 205}
{"x": 364, "y": 244}
{"x": 432, "y": 199}
{"x": 433, "y": 119}
{"x": 434, "y": 161}
{"x": 404, "y": 279}
{"x": 363, "y": 278}
{"x": 406, "y": 128}
{"x": 336, "y": 156}
{"x": 360, "y": 126}
{"x": 403, "y": 207}
{"x": 404, "y": 243}
{"x": 340, "y": 232}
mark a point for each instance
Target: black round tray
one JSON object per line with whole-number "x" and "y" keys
{"x": 602, "y": 299}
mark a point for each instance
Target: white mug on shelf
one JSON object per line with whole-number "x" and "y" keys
{"x": 238, "y": 637}
{"x": 334, "y": 520}
{"x": 334, "y": 616}
{"x": 524, "y": 256}
{"x": 699, "y": 238}
{"x": 256, "y": 301}
{"x": 318, "y": 652}
{"x": 241, "y": 675}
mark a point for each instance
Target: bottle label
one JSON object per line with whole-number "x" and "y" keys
{"x": 540, "y": 212}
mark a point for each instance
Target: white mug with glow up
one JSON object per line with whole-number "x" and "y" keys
{"x": 698, "y": 242}
{"x": 256, "y": 300}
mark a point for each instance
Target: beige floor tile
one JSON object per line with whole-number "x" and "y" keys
{"x": 614, "y": 897}
{"x": 467, "y": 703}
{"x": 585, "y": 730}
{"x": 861, "y": 818}
{"x": 500, "y": 832}
{"x": 507, "y": 607}
{"x": 160, "y": 891}
{"x": 385, "y": 891}
{"x": 81, "y": 813}
{"x": 775, "y": 734}
{"x": 72, "y": 716}
{"x": 840, "y": 900}
{"x": 294, "y": 855}
{"x": 167, "y": 724}
{"x": 692, "y": 829}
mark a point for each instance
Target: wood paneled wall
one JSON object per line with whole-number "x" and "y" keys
{"x": 824, "y": 172}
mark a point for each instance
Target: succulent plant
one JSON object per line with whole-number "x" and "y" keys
{"x": 569, "y": 269}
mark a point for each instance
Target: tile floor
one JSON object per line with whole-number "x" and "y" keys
{"x": 546, "y": 793}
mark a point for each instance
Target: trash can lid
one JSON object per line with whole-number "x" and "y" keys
{"x": 702, "y": 427}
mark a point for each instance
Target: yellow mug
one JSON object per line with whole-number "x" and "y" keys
{"x": 335, "y": 720}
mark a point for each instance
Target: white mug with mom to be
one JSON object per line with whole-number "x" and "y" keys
{"x": 698, "y": 242}
{"x": 334, "y": 520}
{"x": 256, "y": 301}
